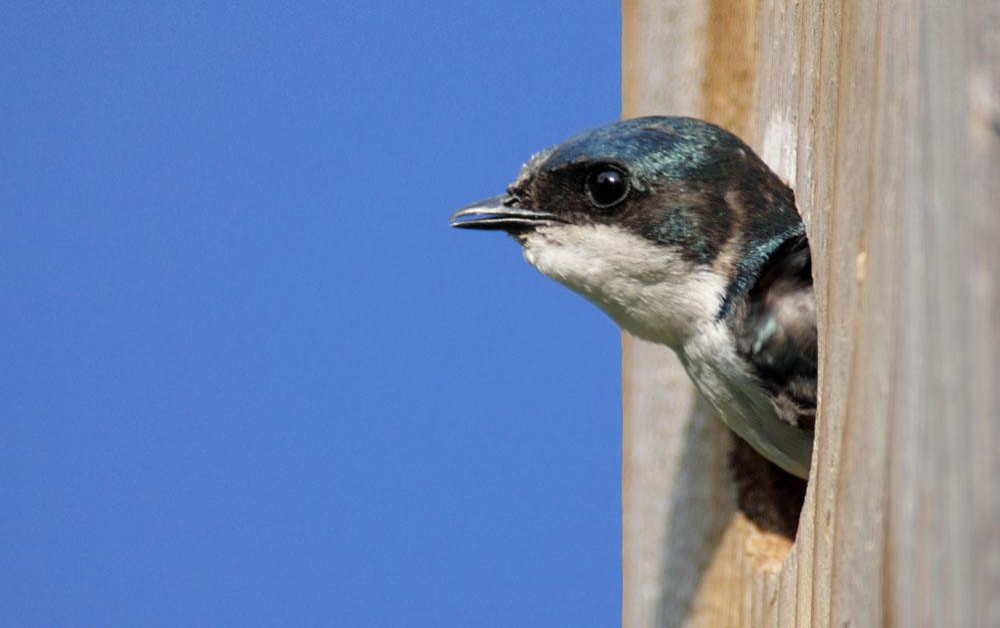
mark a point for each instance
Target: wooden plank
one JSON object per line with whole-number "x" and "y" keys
{"x": 884, "y": 116}
{"x": 944, "y": 515}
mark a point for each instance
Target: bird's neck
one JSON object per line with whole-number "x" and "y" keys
{"x": 648, "y": 289}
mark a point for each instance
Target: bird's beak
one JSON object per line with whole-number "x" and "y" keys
{"x": 500, "y": 213}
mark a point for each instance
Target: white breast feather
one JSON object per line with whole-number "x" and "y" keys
{"x": 723, "y": 378}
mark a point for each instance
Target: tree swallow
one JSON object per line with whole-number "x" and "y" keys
{"x": 684, "y": 237}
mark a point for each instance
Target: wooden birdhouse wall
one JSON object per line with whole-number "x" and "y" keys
{"x": 884, "y": 117}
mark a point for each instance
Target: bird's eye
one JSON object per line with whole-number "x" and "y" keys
{"x": 607, "y": 186}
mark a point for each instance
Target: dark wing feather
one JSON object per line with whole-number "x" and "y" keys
{"x": 776, "y": 331}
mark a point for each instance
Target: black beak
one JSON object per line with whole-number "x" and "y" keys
{"x": 500, "y": 213}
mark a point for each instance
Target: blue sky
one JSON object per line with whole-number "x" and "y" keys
{"x": 249, "y": 375}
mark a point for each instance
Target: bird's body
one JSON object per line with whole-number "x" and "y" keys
{"x": 682, "y": 235}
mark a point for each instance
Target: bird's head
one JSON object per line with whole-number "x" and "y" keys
{"x": 660, "y": 221}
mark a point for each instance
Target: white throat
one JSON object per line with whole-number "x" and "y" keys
{"x": 648, "y": 289}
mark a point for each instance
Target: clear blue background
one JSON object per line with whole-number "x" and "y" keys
{"x": 249, "y": 375}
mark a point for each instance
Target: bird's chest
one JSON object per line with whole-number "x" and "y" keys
{"x": 725, "y": 380}
{"x": 722, "y": 376}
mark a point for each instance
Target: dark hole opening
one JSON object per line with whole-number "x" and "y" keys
{"x": 769, "y": 496}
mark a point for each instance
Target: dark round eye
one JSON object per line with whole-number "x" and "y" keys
{"x": 607, "y": 186}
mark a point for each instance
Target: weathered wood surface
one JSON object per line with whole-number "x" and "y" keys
{"x": 884, "y": 116}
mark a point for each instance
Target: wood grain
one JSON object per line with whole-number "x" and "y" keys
{"x": 884, "y": 116}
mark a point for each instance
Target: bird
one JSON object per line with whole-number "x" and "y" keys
{"x": 678, "y": 231}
